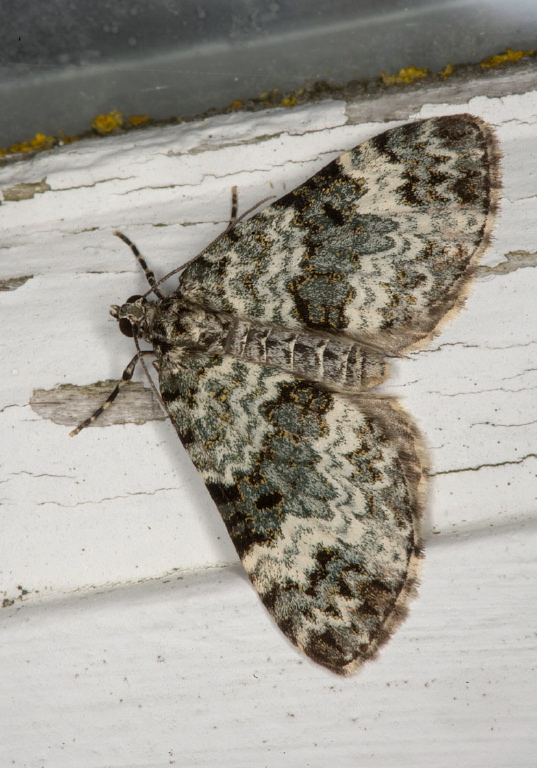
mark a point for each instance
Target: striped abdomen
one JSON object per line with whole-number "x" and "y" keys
{"x": 342, "y": 364}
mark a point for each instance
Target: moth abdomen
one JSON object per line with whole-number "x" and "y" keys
{"x": 341, "y": 364}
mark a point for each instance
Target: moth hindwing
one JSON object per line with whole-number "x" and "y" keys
{"x": 267, "y": 354}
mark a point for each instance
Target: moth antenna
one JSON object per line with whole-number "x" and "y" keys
{"x": 149, "y": 274}
{"x": 125, "y": 377}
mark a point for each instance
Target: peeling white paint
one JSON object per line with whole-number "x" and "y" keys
{"x": 189, "y": 670}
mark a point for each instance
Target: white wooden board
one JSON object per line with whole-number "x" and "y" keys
{"x": 134, "y": 637}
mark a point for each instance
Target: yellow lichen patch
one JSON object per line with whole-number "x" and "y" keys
{"x": 104, "y": 124}
{"x": 289, "y": 102}
{"x": 236, "y": 104}
{"x": 138, "y": 119}
{"x": 407, "y": 75}
{"x": 40, "y": 141}
{"x": 501, "y": 58}
{"x": 447, "y": 71}
{"x": 272, "y": 98}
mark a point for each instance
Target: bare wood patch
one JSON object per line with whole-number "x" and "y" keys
{"x": 69, "y": 404}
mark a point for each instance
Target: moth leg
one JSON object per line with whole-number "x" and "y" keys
{"x": 125, "y": 377}
{"x": 234, "y": 207}
{"x": 235, "y": 221}
{"x": 146, "y": 353}
{"x": 149, "y": 274}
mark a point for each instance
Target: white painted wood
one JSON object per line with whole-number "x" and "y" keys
{"x": 134, "y": 638}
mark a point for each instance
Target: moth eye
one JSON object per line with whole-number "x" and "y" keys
{"x": 125, "y": 326}
{"x": 133, "y": 299}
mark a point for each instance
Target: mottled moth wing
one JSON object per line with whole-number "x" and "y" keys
{"x": 319, "y": 492}
{"x": 317, "y": 482}
{"x": 378, "y": 245}
{"x": 266, "y": 355}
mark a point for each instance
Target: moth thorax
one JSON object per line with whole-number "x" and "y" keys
{"x": 196, "y": 328}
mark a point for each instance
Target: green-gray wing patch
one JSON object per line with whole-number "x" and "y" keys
{"x": 317, "y": 493}
{"x": 377, "y": 245}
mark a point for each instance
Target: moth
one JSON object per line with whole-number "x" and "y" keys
{"x": 268, "y": 354}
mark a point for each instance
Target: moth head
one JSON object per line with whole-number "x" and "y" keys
{"x": 130, "y": 315}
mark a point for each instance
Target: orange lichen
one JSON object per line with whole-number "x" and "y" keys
{"x": 289, "y": 102}
{"x": 40, "y": 141}
{"x": 501, "y": 58}
{"x": 407, "y": 75}
{"x": 104, "y": 124}
{"x": 138, "y": 119}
